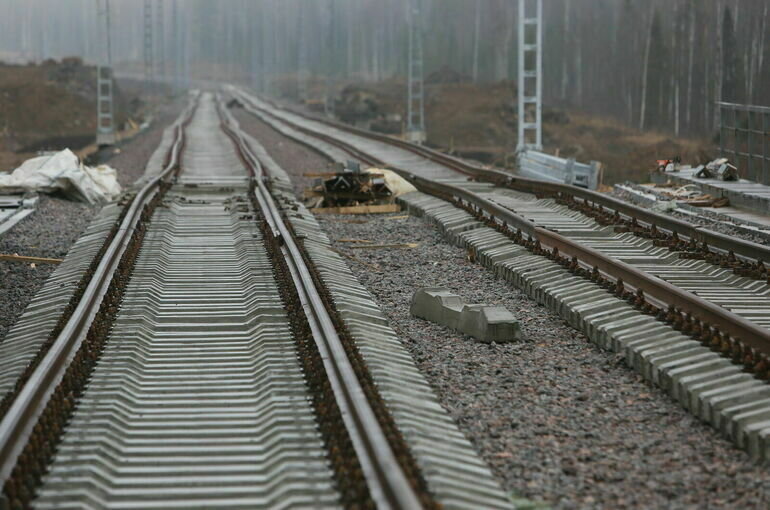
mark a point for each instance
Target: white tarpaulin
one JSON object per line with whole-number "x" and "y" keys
{"x": 64, "y": 172}
{"x": 396, "y": 184}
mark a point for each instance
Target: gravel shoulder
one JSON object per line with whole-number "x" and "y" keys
{"x": 57, "y": 223}
{"x": 48, "y": 232}
{"x": 706, "y": 220}
{"x": 556, "y": 418}
{"x": 134, "y": 155}
{"x": 293, "y": 157}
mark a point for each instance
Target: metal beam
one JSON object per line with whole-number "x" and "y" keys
{"x": 149, "y": 65}
{"x": 105, "y": 118}
{"x": 415, "y": 106}
{"x": 530, "y": 76}
{"x": 744, "y": 130}
{"x": 160, "y": 40}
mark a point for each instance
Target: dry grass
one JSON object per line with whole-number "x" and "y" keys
{"x": 626, "y": 153}
{"x": 480, "y": 121}
{"x": 48, "y": 106}
{"x": 33, "y": 108}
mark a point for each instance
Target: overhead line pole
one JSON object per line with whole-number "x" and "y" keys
{"x": 105, "y": 118}
{"x": 149, "y": 67}
{"x": 330, "y": 67}
{"x": 530, "y": 77}
{"x": 415, "y": 107}
{"x": 161, "y": 41}
{"x": 176, "y": 46}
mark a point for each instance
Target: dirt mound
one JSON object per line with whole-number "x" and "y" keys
{"x": 51, "y": 106}
{"x": 480, "y": 121}
{"x": 460, "y": 117}
{"x": 357, "y": 104}
{"x": 626, "y": 153}
{"x": 446, "y": 75}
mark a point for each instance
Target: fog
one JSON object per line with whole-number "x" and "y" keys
{"x": 653, "y": 63}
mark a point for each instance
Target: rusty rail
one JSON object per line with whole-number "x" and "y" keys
{"x": 387, "y": 483}
{"x": 18, "y": 423}
{"x": 740, "y": 329}
{"x": 725, "y": 243}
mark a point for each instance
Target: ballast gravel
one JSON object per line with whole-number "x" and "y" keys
{"x": 293, "y": 157}
{"x": 57, "y": 223}
{"x": 706, "y": 219}
{"x": 48, "y": 232}
{"x": 133, "y": 157}
{"x": 557, "y": 419}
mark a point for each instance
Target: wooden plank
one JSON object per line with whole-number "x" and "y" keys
{"x": 373, "y": 267}
{"x": 336, "y": 174}
{"x": 358, "y": 209}
{"x": 28, "y": 260}
{"x": 320, "y": 174}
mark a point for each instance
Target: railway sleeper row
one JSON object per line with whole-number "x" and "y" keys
{"x": 198, "y": 399}
{"x": 689, "y": 249}
{"x": 452, "y": 470}
{"x": 720, "y": 285}
{"x": 706, "y": 366}
{"x": 42, "y": 424}
{"x": 197, "y": 385}
{"x": 709, "y": 385}
{"x": 45, "y": 315}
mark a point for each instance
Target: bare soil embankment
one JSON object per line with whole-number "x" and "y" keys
{"x": 479, "y": 121}
{"x": 50, "y": 106}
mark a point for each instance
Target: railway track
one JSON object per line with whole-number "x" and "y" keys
{"x": 730, "y": 220}
{"x": 688, "y": 307}
{"x": 204, "y": 363}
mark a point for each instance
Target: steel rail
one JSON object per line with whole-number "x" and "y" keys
{"x": 728, "y": 322}
{"x": 18, "y": 423}
{"x": 725, "y": 243}
{"x": 387, "y": 483}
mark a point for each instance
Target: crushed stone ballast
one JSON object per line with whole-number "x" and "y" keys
{"x": 692, "y": 353}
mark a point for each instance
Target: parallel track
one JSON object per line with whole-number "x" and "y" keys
{"x": 599, "y": 278}
{"x": 753, "y": 337}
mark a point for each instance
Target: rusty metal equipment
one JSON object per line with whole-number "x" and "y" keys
{"x": 348, "y": 185}
{"x": 718, "y": 169}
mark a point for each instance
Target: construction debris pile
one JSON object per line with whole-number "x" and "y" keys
{"x": 691, "y": 195}
{"x": 718, "y": 169}
{"x": 63, "y": 172}
{"x": 349, "y": 189}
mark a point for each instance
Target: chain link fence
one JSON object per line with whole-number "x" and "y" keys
{"x": 743, "y": 138}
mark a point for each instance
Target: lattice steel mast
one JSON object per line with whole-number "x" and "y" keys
{"x": 176, "y": 46}
{"x": 105, "y": 118}
{"x": 302, "y": 60}
{"x": 415, "y": 108}
{"x": 160, "y": 41}
{"x": 149, "y": 67}
{"x": 530, "y": 75}
{"x": 330, "y": 62}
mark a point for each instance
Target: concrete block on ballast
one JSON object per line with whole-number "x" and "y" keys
{"x": 489, "y": 324}
{"x": 485, "y": 323}
{"x": 438, "y": 305}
